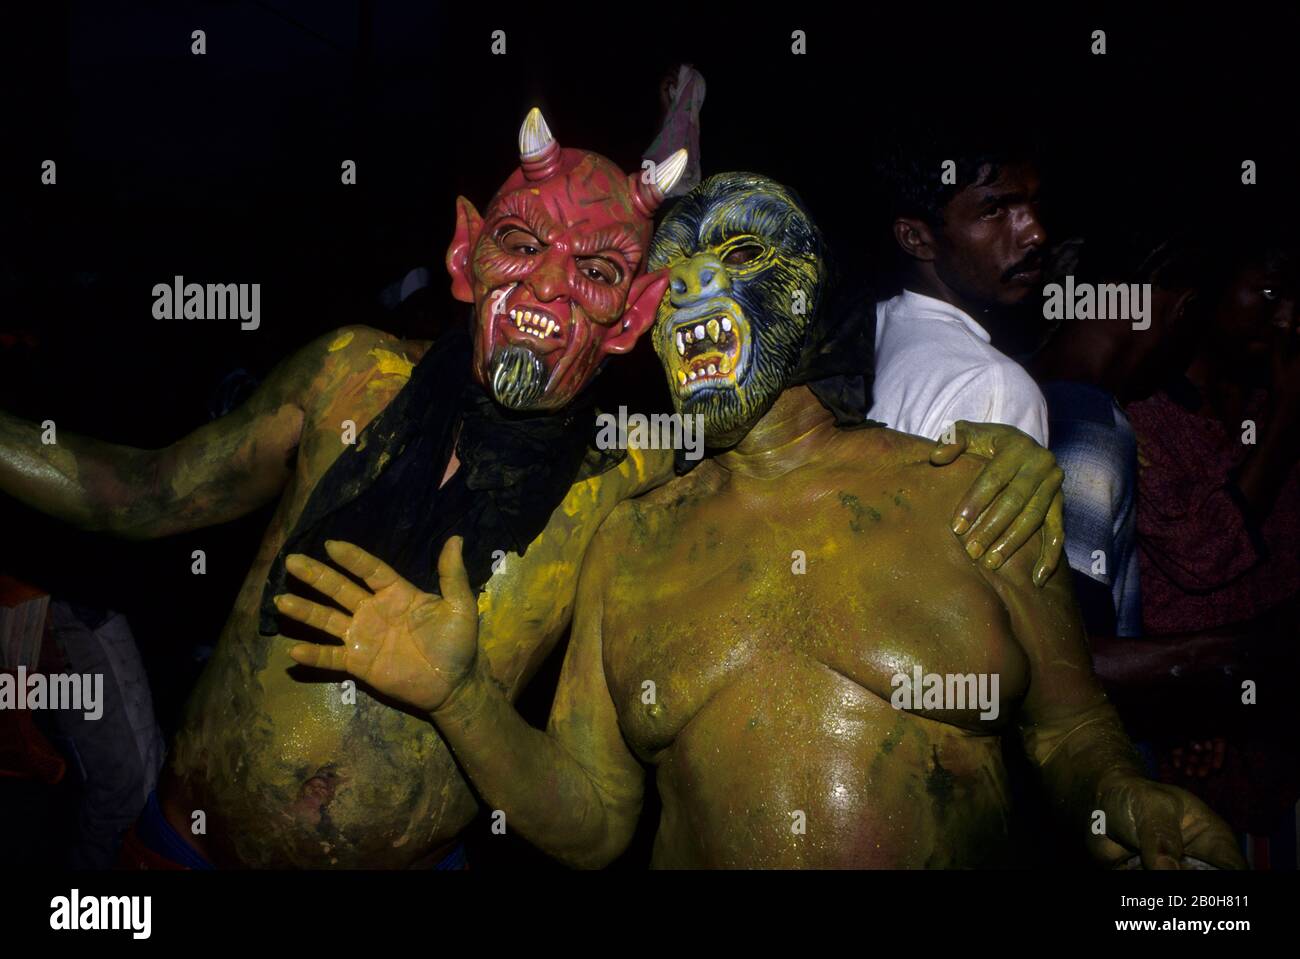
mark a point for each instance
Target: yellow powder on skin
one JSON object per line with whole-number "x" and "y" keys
{"x": 391, "y": 363}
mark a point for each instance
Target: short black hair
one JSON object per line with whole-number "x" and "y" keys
{"x": 909, "y": 169}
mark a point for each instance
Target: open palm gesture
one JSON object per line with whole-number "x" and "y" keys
{"x": 403, "y": 642}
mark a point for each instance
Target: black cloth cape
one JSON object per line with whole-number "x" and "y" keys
{"x": 382, "y": 492}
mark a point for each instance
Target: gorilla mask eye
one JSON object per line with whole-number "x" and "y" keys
{"x": 743, "y": 254}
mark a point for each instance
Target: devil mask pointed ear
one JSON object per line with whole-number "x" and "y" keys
{"x": 460, "y": 254}
{"x": 643, "y": 299}
{"x": 648, "y": 192}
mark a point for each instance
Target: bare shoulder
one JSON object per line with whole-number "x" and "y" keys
{"x": 676, "y": 492}
{"x": 361, "y": 347}
{"x": 338, "y": 360}
{"x": 642, "y": 520}
{"x": 899, "y": 464}
{"x": 894, "y": 455}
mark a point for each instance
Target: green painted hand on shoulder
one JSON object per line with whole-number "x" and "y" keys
{"x": 1017, "y": 493}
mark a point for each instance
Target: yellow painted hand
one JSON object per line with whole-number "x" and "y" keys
{"x": 1017, "y": 493}
{"x": 405, "y": 643}
{"x": 1162, "y": 824}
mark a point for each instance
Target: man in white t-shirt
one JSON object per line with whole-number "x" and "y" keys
{"x": 973, "y": 247}
{"x": 935, "y": 365}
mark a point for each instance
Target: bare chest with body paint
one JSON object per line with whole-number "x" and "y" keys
{"x": 767, "y": 620}
{"x": 283, "y": 762}
{"x": 289, "y": 770}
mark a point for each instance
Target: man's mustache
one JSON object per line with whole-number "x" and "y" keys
{"x": 1030, "y": 263}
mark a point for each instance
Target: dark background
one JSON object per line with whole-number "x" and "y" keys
{"x": 226, "y": 168}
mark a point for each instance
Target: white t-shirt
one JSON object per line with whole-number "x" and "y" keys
{"x": 935, "y": 365}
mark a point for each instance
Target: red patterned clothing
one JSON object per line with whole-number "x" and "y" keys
{"x": 1203, "y": 564}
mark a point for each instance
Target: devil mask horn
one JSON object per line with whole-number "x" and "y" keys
{"x": 539, "y": 152}
{"x": 649, "y": 191}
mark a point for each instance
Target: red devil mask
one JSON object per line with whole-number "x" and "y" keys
{"x": 553, "y": 268}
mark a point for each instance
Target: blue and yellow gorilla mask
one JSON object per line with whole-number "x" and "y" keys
{"x": 747, "y": 269}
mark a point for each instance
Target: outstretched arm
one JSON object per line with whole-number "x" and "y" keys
{"x": 1075, "y": 738}
{"x": 221, "y": 471}
{"x": 573, "y": 791}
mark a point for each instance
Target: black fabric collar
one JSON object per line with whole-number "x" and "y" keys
{"x": 382, "y": 493}
{"x": 518, "y": 468}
